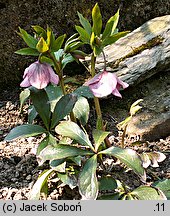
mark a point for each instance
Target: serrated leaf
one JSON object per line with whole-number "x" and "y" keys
{"x": 84, "y": 36}
{"x": 129, "y": 157}
{"x": 24, "y": 95}
{"x": 111, "y": 25}
{"x": 73, "y": 131}
{"x": 24, "y": 131}
{"x": 99, "y": 137}
{"x": 97, "y": 20}
{"x": 29, "y": 40}
{"x": 36, "y": 190}
{"x": 27, "y": 51}
{"x": 58, "y": 43}
{"x": 81, "y": 110}
{"x": 107, "y": 183}
{"x": 41, "y": 103}
{"x": 113, "y": 38}
{"x": 163, "y": 185}
{"x": 85, "y": 23}
{"x": 42, "y": 46}
{"x": 88, "y": 183}
{"x": 63, "y": 107}
{"x": 61, "y": 151}
{"x": 147, "y": 193}
{"x": 84, "y": 91}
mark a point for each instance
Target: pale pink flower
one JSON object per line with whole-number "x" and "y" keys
{"x": 39, "y": 75}
{"x": 105, "y": 83}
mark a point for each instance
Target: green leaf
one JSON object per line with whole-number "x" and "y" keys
{"x": 69, "y": 180}
{"x": 147, "y": 193}
{"x": 59, "y": 54}
{"x": 54, "y": 94}
{"x": 81, "y": 110}
{"x": 36, "y": 190}
{"x": 71, "y": 39}
{"x": 61, "y": 151}
{"x": 50, "y": 37}
{"x": 99, "y": 137}
{"x": 85, "y": 23}
{"x": 135, "y": 107}
{"x": 73, "y": 131}
{"x": 41, "y": 103}
{"x": 24, "y": 131}
{"x": 32, "y": 114}
{"x": 24, "y": 95}
{"x": 73, "y": 46}
{"x": 107, "y": 183}
{"x": 63, "y": 107}
{"x": 40, "y": 31}
{"x": 88, "y": 184}
{"x": 67, "y": 59}
{"x": 42, "y": 46}
{"x": 163, "y": 185}
{"x": 58, "y": 43}
{"x": 84, "y": 36}
{"x": 111, "y": 25}
{"x": 29, "y": 40}
{"x": 129, "y": 157}
{"x": 113, "y": 38}
{"x": 114, "y": 196}
{"x": 58, "y": 165}
{"x": 48, "y": 140}
{"x": 92, "y": 40}
{"x": 84, "y": 91}
{"x": 97, "y": 20}
{"x": 42, "y": 145}
{"x": 27, "y": 51}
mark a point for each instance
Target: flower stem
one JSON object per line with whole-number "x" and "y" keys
{"x": 96, "y": 100}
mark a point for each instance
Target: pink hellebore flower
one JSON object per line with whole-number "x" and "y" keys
{"x": 105, "y": 83}
{"x": 39, "y": 75}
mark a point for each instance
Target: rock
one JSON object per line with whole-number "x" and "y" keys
{"x": 153, "y": 121}
{"x": 61, "y": 16}
{"x": 142, "y": 53}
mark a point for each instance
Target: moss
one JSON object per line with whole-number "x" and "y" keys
{"x": 136, "y": 50}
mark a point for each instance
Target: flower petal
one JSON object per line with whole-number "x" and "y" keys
{"x": 53, "y": 77}
{"x": 40, "y": 78}
{"x": 116, "y": 93}
{"x": 25, "y": 82}
{"x": 94, "y": 80}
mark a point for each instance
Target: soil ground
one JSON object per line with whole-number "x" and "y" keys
{"x": 19, "y": 167}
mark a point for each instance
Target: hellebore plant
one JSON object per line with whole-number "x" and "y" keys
{"x": 75, "y": 158}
